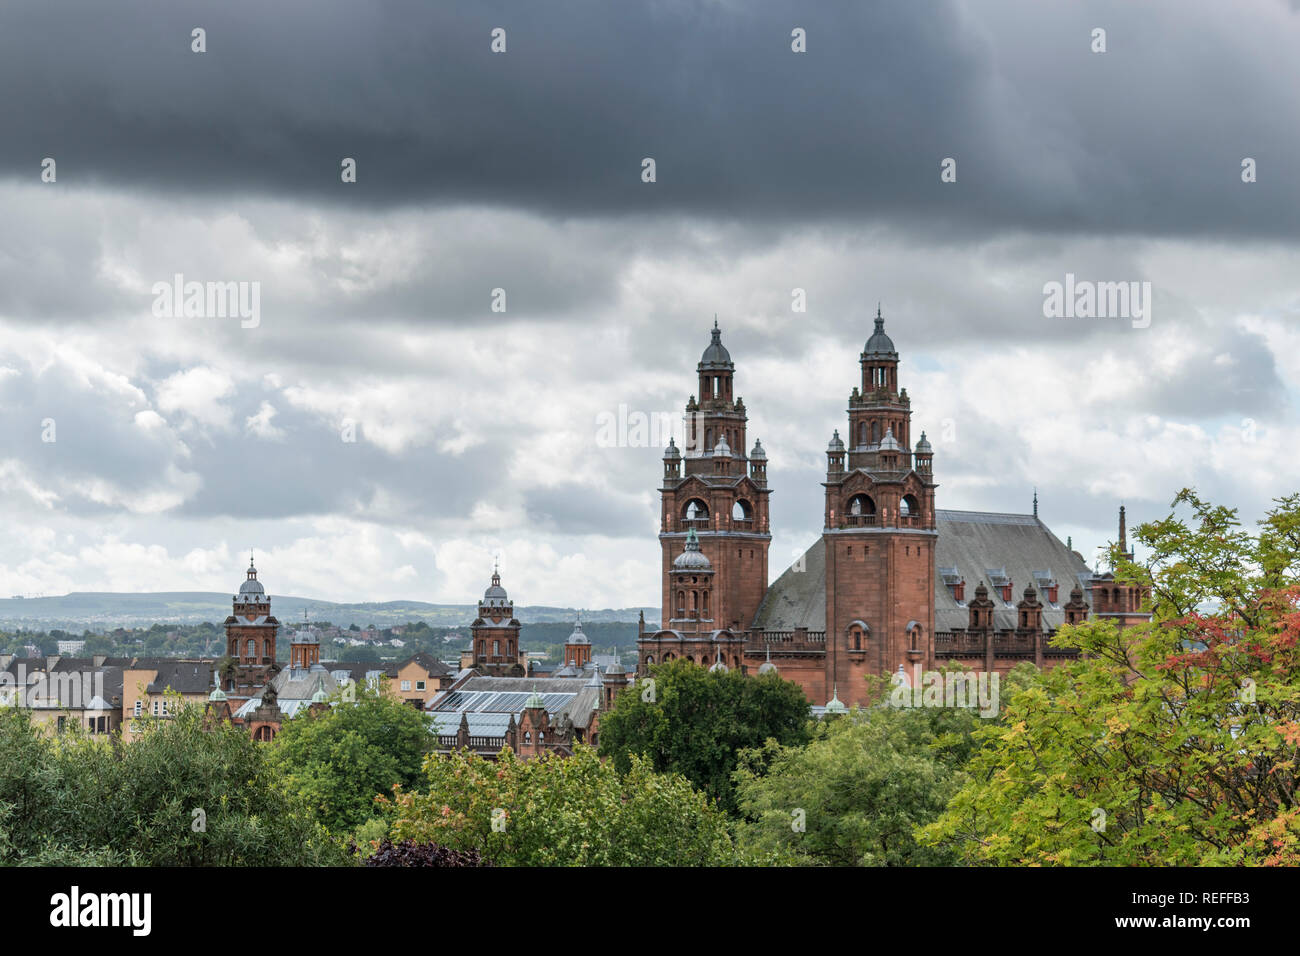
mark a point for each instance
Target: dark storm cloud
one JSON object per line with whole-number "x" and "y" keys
{"x": 1048, "y": 136}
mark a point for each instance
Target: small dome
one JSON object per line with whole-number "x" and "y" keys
{"x": 616, "y": 669}
{"x": 577, "y": 637}
{"x": 320, "y": 697}
{"x": 923, "y": 446}
{"x": 534, "y": 700}
{"x": 495, "y": 594}
{"x": 251, "y": 588}
{"x": 716, "y": 355}
{"x": 672, "y": 451}
{"x": 889, "y": 442}
{"x": 836, "y": 443}
{"x": 767, "y": 667}
{"x": 835, "y": 705}
{"x": 758, "y": 453}
{"x": 305, "y": 635}
{"x": 719, "y": 666}
{"x": 880, "y": 343}
{"x": 722, "y": 449}
{"x": 692, "y": 558}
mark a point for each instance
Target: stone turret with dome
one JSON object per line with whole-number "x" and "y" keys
{"x": 251, "y": 632}
{"x": 494, "y": 647}
{"x": 577, "y": 649}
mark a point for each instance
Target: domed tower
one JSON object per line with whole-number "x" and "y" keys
{"x": 304, "y": 646}
{"x": 495, "y": 650}
{"x": 577, "y": 649}
{"x": 880, "y": 531}
{"x": 614, "y": 680}
{"x": 250, "y": 629}
{"x": 690, "y": 629}
{"x": 718, "y": 493}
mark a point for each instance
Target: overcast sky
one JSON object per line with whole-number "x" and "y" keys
{"x": 181, "y": 443}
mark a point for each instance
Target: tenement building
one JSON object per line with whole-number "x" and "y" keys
{"x": 893, "y": 583}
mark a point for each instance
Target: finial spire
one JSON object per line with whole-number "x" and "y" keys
{"x": 1035, "y": 502}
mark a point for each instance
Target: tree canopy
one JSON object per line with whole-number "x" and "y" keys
{"x": 695, "y": 722}
{"x": 341, "y": 760}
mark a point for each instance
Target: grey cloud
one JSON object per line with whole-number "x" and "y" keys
{"x": 1047, "y": 135}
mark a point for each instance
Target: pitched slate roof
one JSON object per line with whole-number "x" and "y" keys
{"x": 184, "y": 677}
{"x": 1022, "y": 546}
{"x": 972, "y": 542}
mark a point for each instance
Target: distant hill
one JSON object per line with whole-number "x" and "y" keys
{"x": 108, "y": 609}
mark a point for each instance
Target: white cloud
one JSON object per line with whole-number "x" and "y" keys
{"x": 198, "y": 393}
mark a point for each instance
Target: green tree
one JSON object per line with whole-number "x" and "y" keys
{"x": 856, "y": 793}
{"x": 1171, "y": 742}
{"x": 697, "y": 721}
{"x": 563, "y": 811}
{"x": 183, "y": 794}
{"x": 341, "y": 760}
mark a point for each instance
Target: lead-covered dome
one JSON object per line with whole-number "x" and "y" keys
{"x": 716, "y": 355}
{"x": 692, "y": 558}
{"x": 880, "y": 343}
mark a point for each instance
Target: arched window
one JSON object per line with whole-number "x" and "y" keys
{"x": 708, "y": 439}
{"x": 861, "y": 505}
{"x": 875, "y": 433}
{"x": 252, "y": 648}
{"x": 704, "y": 603}
{"x": 914, "y": 636}
{"x": 681, "y": 603}
{"x": 649, "y": 659}
{"x": 695, "y": 510}
{"x": 742, "y": 510}
{"x": 909, "y": 506}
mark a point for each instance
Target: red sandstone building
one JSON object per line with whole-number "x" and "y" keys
{"x": 893, "y": 583}
{"x": 490, "y": 704}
